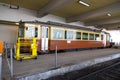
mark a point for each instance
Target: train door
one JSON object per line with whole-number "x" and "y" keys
{"x": 104, "y": 39}
{"x": 44, "y": 41}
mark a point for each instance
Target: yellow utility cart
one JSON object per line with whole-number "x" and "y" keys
{"x": 33, "y": 47}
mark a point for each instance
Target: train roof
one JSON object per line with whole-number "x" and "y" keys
{"x": 62, "y": 25}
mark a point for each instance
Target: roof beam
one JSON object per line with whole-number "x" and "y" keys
{"x": 109, "y": 25}
{"x": 104, "y": 21}
{"x": 112, "y": 9}
{"x": 53, "y": 5}
{"x": 8, "y": 22}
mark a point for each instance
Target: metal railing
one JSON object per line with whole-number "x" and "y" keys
{"x": 9, "y": 51}
{"x": 56, "y": 57}
{"x": 0, "y": 66}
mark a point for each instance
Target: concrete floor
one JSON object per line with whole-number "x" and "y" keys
{"x": 47, "y": 62}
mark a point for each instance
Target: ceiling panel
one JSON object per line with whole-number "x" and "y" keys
{"x": 29, "y": 4}
{"x": 69, "y": 10}
{"x": 76, "y": 8}
{"x": 102, "y": 17}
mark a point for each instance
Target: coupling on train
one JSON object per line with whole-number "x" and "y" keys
{"x": 65, "y": 37}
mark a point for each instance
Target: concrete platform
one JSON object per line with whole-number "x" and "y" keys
{"x": 68, "y": 61}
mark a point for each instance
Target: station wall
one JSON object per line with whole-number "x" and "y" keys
{"x": 8, "y": 33}
{"x": 29, "y": 15}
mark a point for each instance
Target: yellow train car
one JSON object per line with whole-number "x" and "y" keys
{"x": 50, "y": 34}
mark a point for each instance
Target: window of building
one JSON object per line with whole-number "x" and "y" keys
{"x": 85, "y": 36}
{"x": 91, "y": 37}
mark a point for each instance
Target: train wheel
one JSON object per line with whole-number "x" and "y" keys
{"x": 20, "y": 60}
{"x": 35, "y": 58}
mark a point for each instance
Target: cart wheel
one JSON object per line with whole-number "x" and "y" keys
{"x": 35, "y": 58}
{"x": 20, "y": 60}
{"x": 8, "y": 56}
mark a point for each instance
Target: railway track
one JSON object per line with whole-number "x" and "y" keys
{"x": 109, "y": 73}
{"x": 109, "y": 70}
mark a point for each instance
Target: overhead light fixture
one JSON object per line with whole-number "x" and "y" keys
{"x": 84, "y": 3}
{"x": 17, "y": 23}
{"x": 14, "y": 7}
{"x": 109, "y": 14}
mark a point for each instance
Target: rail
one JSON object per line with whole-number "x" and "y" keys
{"x": 109, "y": 73}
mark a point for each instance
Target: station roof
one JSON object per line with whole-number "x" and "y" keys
{"x": 98, "y": 13}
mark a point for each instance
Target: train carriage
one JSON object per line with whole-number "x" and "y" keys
{"x": 65, "y": 37}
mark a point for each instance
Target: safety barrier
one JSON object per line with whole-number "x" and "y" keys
{"x": 9, "y": 51}
{"x": 33, "y": 47}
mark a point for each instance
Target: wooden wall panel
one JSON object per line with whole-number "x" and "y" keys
{"x": 62, "y": 44}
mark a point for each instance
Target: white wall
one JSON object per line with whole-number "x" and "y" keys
{"x": 115, "y": 36}
{"x": 16, "y": 15}
{"x": 54, "y": 18}
{"x": 8, "y": 33}
{"x": 28, "y": 15}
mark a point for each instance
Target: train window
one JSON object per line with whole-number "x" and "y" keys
{"x": 91, "y": 37}
{"x": 108, "y": 37}
{"x": 85, "y": 36}
{"x": 101, "y": 37}
{"x": 47, "y": 33}
{"x": 74, "y": 35}
{"x": 36, "y": 32}
{"x": 31, "y": 32}
{"x": 65, "y": 34}
{"x": 21, "y": 32}
{"x": 96, "y": 36}
{"x": 78, "y": 35}
{"x": 58, "y": 34}
{"x": 69, "y": 35}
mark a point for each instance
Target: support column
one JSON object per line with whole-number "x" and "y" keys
{"x": 1, "y": 51}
